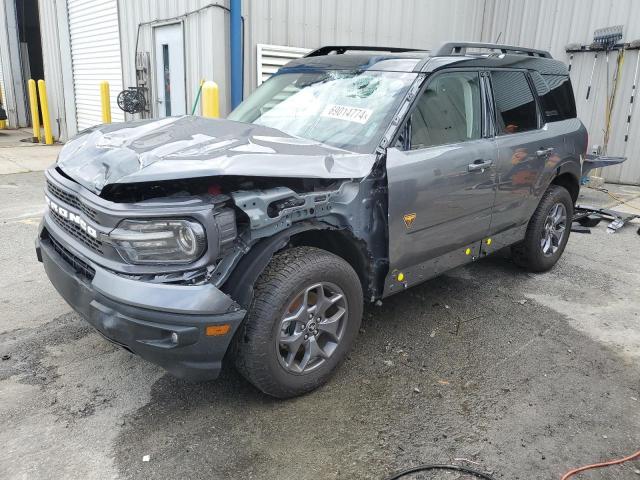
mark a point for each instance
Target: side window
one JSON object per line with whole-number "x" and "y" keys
{"x": 448, "y": 111}
{"x": 515, "y": 104}
{"x": 556, "y": 96}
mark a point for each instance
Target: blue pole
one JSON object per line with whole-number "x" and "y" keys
{"x": 235, "y": 41}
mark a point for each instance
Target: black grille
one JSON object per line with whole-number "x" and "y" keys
{"x": 82, "y": 268}
{"x": 75, "y": 231}
{"x": 71, "y": 199}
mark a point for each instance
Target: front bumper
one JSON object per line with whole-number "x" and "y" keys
{"x": 142, "y": 316}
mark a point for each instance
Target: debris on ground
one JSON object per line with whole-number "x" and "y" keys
{"x": 145, "y": 458}
{"x": 587, "y": 217}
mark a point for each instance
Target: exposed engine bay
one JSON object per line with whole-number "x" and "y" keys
{"x": 168, "y": 168}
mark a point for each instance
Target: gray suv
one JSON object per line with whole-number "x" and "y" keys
{"x": 350, "y": 175}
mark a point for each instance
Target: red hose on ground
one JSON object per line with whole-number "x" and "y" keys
{"x": 600, "y": 465}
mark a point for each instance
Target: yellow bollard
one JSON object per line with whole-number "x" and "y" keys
{"x": 106, "y": 103}
{"x": 35, "y": 114}
{"x": 210, "y": 100}
{"x": 44, "y": 105}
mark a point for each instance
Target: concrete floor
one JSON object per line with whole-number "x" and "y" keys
{"x": 525, "y": 375}
{"x": 18, "y": 154}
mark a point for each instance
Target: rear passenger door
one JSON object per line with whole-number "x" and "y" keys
{"x": 441, "y": 180}
{"x": 524, "y": 148}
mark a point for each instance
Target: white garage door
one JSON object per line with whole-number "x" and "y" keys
{"x": 95, "y": 55}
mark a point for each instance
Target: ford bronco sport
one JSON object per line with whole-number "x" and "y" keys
{"x": 350, "y": 175}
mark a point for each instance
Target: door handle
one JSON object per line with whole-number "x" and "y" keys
{"x": 480, "y": 164}
{"x": 544, "y": 151}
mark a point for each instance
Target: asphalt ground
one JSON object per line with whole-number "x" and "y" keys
{"x": 523, "y": 375}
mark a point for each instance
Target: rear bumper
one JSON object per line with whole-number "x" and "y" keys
{"x": 142, "y": 316}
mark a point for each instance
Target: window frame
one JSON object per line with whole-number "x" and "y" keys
{"x": 405, "y": 125}
{"x": 545, "y": 118}
{"x": 540, "y": 122}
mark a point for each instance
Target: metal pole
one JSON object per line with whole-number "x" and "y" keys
{"x": 105, "y": 102}
{"x": 235, "y": 42}
{"x": 35, "y": 114}
{"x": 195, "y": 103}
{"x": 633, "y": 94}
{"x": 44, "y": 105}
{"x": 593, "y": 69}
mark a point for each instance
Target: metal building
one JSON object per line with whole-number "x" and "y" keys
{"x": 168, "y": 47}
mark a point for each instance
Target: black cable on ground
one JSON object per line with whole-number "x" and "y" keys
{"x": 455, "y": 468}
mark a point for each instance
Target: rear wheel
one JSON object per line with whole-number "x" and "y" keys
{"x": 547, "y": 232}
{"x": 304, "y": 317}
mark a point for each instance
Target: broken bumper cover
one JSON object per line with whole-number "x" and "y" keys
{"x": 142, "y": 317}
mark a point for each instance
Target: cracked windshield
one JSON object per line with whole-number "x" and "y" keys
{"x": 344, "y": 109}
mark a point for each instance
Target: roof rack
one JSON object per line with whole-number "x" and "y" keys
{"x": 341, "y": 49}
{"x": 460, "y": 48}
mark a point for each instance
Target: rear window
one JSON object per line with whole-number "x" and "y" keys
{"x": 556, "y": 96}
{"x": 515, "y": 104}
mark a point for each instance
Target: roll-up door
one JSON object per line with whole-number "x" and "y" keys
{"x": 95, "y": 56}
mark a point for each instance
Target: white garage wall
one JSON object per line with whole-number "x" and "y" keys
{"x": 547, "y": 24}
{"x": 551, "y": 25}
{"x": 392, "y": 23}
{"x": 206, "y": 41}
{"x": 56, "y": 56}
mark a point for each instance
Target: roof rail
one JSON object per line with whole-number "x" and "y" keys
{"x": 460, "y": 48}
{"x": 341, "y": 49}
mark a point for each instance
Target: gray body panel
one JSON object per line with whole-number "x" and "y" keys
{"x": 457, "y": 211}
{"x": 190, "y": 147}
{"x": 461, "y": 215}
{"x": 524, "y": 173}
{"x": 452, "y": 204}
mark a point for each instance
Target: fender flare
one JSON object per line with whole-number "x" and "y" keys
{"x": 569, "y": 166}
{"x": 239, "y": 285}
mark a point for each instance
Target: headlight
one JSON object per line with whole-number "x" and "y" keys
{"x": 159, "y": 241}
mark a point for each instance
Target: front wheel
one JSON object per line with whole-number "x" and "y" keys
{"x": 547, "y": 232}
{"x": 303, "y": 319}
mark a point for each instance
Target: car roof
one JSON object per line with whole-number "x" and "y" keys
{"x": 450, "y": 54}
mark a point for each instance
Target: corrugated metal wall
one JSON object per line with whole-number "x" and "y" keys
{"x": 548, "y": 24}
{"x": 56, "y": 56}
{"x": 300, "y": 23}
{"x": 206, "y": 42}
{"x": 312, "y": 23}
{"x": 551, "y": 25}
{"x": 14, "y": 90}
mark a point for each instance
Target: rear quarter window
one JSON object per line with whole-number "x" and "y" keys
{"x": 556, "y": 96}
{"x": 515, "y": 104}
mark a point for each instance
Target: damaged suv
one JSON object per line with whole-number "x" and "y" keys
{"x": 350, "y": 175}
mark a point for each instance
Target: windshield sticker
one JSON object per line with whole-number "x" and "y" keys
{"x": 351, "y": 114}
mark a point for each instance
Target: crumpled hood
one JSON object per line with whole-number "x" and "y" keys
{"x": 188, "y": 147}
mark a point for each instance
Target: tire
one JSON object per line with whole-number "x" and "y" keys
{"x": 530, "y": 253}
{"x": 265, "y": 349}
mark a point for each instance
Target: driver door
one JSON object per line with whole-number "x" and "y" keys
{"x": 441, "y": 181}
